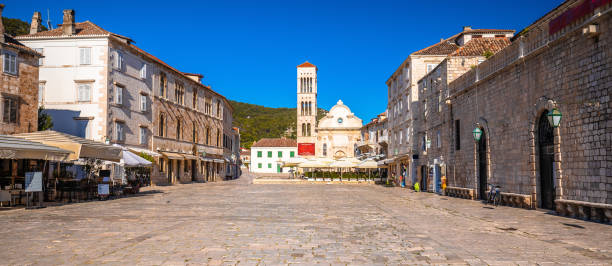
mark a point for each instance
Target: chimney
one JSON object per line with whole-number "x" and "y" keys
{"x": 1, "y": 25}
{"x": 466, "y": 28}
{"x": 36, "y": 20}
{"x": 441, "y": 39}
{"x": 68, "y": 23}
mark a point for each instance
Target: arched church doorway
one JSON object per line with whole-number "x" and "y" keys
{"x": 482, "y": 166}
{"x": 546, "y": 158}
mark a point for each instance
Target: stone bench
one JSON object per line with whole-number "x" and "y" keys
{"x": 460, "y": 192}
{"x": 516, "y": 200}
{"x": 599, "y": 212}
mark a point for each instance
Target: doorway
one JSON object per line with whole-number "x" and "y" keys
{"x": 546, "y": 158}
{"x": 482, "y": 166}
{"x": 169, "y": 171}
{"x": 424, "y": 173}
{"x": 194, "y": 169}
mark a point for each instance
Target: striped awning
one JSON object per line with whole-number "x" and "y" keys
{"x": 172, "y": 155}
{"x": 18, "y": 148}
{"x": 80, "y": 147}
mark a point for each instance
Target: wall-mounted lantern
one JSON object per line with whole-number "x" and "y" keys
{"x": 554, "y": 117}
{"x": 477, "y": 132}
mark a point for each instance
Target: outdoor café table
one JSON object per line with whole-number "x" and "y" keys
{"x": 17, "y": 193}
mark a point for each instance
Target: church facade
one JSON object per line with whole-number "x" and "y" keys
{"x": 336, "y": 135}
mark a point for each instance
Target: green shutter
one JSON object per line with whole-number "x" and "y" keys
{"x": 280, "y": 154}
{"x": 292, "y": 154}
{"x": 278, "y": 168}
{"x": 259, "y": 165}
{"x": 270, "y": 154}
{"x": 259, "y": 154}
{"x": 269, "y": 165}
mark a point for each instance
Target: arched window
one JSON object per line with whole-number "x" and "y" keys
{"x": 178, "y": 129}
{"x": 162, "y": 125}
{"x": 324, "y": 149}
{"x": 194, "y": 133}
{"x": 309, "y": 130}
{"x": 310, "y": 87}
{"x": 303, "y": 129}
{"x": 207, "y": 136}
{"x": 302, "y": 108}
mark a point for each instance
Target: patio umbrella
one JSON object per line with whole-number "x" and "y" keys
{"x": 313, "y": 164}
{"x": 345, "y": 163}
{"x": 368, "y": 164}
{"x": 292, "y": 162}
{"x": 130, "y": 159}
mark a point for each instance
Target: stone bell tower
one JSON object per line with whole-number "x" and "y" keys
{"x": 306, "y": 108}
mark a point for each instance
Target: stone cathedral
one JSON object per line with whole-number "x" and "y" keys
{"x": 334, "y": 136}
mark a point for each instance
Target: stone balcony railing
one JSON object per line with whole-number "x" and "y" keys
{"x": 585, "y": 210}
{"x": 516, "y": 200}
{"x": 460, "y": 192}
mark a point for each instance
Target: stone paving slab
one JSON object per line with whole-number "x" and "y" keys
{"x": 239, "y": 223}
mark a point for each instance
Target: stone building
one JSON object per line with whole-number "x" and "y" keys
{"x": 432, "y": 124}
{"x": 306, "y": 108}
{"x": 338, "y": 133}
{"x": 403, "y": 100}
{"x": 18, "y": 85}
{"x": 562, "y": 61}
{"x": 98, "y": 85}
{"x": 374, "y": 138}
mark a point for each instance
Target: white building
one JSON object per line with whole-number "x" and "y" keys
{"x": 90, "y": 85}
{"x": 306, "y": 108}
{"x": 268, "y": 154}
{"x": 338, "y": 133}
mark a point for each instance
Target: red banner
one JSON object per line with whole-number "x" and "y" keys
{"x": 307, "y": 149}
{"x": 573, "y": 14}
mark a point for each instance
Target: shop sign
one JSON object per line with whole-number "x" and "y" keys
{"x": 306, "y": 149}
{"x": 33, "y": 182}
{"x": 103, "y": 189}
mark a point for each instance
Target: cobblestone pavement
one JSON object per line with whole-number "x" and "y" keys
{"x": 236, "y": 222}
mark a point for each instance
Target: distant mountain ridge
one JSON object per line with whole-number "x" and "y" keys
{"x": 256, "y": 122}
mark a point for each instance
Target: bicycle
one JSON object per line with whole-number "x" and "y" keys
{"x": 494, "y": 196}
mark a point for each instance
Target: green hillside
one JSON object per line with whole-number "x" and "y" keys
{"x": 256, "y": 122}
{"x": 16, "y": 27}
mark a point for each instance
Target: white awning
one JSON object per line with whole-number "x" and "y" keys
{"x": 80, "y": 147}
{"x": 145, "y": 151}
{"x": 19, "y": 148}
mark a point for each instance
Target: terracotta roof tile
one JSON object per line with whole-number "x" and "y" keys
{"x": 81, "y": 29}
{"x": 477, "y": 47}
{"x": 9, "y": 41}
{"x": 275, "y": 142}
{"x": 306, "y": 64}
{"x": 442, "y": 48}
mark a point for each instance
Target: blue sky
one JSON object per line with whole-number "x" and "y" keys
{"x": 248, "y": 50}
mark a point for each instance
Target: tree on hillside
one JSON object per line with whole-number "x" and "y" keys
{"x": 16, "y": 27}
{"x": 257, "y": 122}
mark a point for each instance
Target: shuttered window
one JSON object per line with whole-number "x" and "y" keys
{"x": 85, "y": 55}
{"x": 10, "y": 63}
{"x": 9, "y": 114}
{"x": 118, "y": 95}
{"x": 143, "y": 103}
{"x": 84, "y": 92}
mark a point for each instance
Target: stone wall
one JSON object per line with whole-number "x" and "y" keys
{"x": 507, "y": 94}
{"x": 22, "y": 87}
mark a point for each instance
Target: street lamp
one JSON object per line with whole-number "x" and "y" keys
{"x": 554, "y": 117}
{"x": 477, "y": 132}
